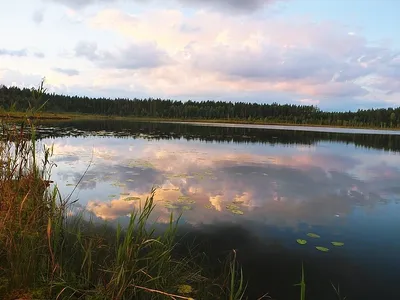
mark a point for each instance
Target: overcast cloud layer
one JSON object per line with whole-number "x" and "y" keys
{"x": 254, "y": 50}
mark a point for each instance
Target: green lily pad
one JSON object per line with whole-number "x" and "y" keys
{"x": 131, "y": 198}
{"x": 186, "y": 207}
{"x": 186, "y": 200}
{"x": 112, "y": 196}
{"x": 313, "y": 235}
{"x": 234, "y": 209}
{"x": 323, "y": 249}
{"x": 70, "y": 184}
{"x": 301, "y": 242}
{"x": 208, "y": 206}
{"x": 337, "y": 244}
{"x": 171, "y": 206}
{"x": 124, "y": 194}
{"x": 231, "y": 207}
{"x": 238, "y": 201}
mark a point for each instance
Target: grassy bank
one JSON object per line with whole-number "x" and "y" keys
{"x": 78, "y": 116}
{"x": 48, "y": 253}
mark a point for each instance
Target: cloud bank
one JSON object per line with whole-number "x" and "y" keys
{"x": 202, "y": 50}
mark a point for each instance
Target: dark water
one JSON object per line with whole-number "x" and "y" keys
{"x": 256, "y": 190}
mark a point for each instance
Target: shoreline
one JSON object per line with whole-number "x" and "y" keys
{"x": 49, "y": 116}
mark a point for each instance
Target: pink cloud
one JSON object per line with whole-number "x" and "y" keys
{"x": 217, "y": 53}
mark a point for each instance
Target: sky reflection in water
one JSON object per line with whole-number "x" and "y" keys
{"x": 341, "y": 192}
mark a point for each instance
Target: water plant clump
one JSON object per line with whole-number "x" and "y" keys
{"x": 234, "y": 209}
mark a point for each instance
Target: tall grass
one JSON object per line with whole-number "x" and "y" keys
{"x": 47, "y": 254}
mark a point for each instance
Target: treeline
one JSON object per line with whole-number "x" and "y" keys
{"x": 13, "y": 98}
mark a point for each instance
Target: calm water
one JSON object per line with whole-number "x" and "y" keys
{"x": 256, "y": 190}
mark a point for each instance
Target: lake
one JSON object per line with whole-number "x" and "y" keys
{"x": 256, "y": 189}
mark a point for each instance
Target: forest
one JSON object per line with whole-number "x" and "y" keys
{"x": 20, "y": 99}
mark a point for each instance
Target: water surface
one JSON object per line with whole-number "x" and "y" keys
{"x": 254, "y": 189}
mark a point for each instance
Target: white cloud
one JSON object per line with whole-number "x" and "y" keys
{"x": 206, "y": 54}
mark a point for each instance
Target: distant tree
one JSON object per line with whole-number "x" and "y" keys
{"x": 13, "y": 98}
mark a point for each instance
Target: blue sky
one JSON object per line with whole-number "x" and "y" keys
{"x": 338, "y": 55}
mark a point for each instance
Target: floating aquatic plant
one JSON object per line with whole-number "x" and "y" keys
{"x": 118, "y": 184}
{"x": 234, "y": 209}
{"x": 170, "y": 206}
{"x": 313, "y": 235}
{"x": 323, "y": 249}
{"x": 208, "y": 206}
{"x": 337, "y": 244}
{"x": 237, "y": 201}
{"x": 131, "y": 198}
{"x": 301, "y": 242}
{"x": 185, "y": 199}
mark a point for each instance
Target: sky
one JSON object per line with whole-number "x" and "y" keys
{"x": 335, "y": 54}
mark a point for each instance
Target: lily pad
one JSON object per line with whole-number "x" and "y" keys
{"x": 131, "y": 198}
{"x": 238, "y": 201}
{"x": 337, "y": 244}
{"x": 124, "y": 194}
{"x": 171, "y": 206}
{"x": 186, "y": 200}
{"x": 186, "y": 207}
{"x": 208, "y": 206}
{"x": 70, "y": 184}
{"x": 323, "y": 249}
{"x": 301, "y": 242}
{"x": 112, "y": 196}
{"x": 231, "y": 206}
{"x": 234, "y": 209}
{"x": 130, "y": 180}
{"x": 313, "y": 235}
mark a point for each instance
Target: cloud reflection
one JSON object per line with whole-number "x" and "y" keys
{"x": 276, "y": 185}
